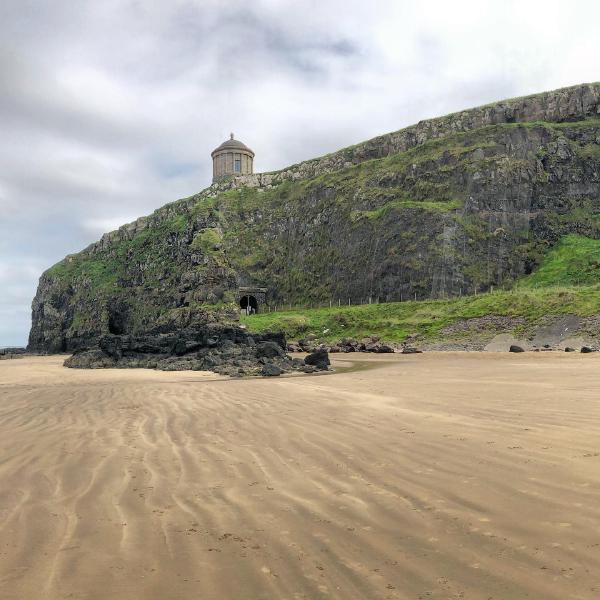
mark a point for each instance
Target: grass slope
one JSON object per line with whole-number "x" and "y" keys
{"x": 554, "y": 289}
{"x": 575, "y": 260}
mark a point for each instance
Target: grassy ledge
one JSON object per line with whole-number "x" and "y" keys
{"x": 395, "y": 321}
{"x": 567, "y": 282}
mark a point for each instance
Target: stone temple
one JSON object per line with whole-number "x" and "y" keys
{"x": 231, "y": 158}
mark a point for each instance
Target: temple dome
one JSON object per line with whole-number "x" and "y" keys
{"x": 231, "y": 159}
{"x": 232, "y": 144}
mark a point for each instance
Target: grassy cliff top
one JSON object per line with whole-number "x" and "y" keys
{"x": 573, "y": 103}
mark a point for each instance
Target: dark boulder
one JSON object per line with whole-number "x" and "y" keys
{"x": 383, "y": 349}
{"x": 319, "y": 359}
{"x": 348, "y": 345}
{"x": 211, "y": 361}
{"x": 373, "y": 344}
{"x": 569, "y": 349}
{"x": 515, "y": 348}
{"x": 308, "y": 344}
{"x": 269, "y": 349}
{"x": 410, "y": 350}
{"x": 587, "y": 349}
{"x": 271, "y": 370}
{"x": 271, "y": 336}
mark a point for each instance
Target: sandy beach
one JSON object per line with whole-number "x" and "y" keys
{"x": 445, "y": 476}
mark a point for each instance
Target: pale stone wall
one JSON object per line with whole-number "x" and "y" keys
{"x": 224, "y": 163}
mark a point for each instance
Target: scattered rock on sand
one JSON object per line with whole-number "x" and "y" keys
{"x": 587, "y": 349}
{"x": 411, "y": 350}
{"x": 502, "y": 343}
{"x": 569, "y": 349}
{"x": 380, "y": 348}
{"x": 373, "y": 344}
{"x": 319, "y": 359}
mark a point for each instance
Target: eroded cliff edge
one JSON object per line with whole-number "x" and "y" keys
{"x": 445, "y": 207}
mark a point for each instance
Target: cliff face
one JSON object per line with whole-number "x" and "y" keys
{"x": 446, "y": 207}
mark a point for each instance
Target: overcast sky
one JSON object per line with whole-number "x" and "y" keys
{"x": 110, "y": 109}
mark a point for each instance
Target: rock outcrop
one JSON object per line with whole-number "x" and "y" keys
{"x": 226, "y": 350}
{"x": 319, "y": 359}
{"x": 447, "y": 207}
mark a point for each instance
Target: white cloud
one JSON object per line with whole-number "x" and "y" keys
{"x": 110, "y": 109}
{"x": 98, "y": 227}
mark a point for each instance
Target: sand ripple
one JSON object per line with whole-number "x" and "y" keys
{"x": 435, "y": 476}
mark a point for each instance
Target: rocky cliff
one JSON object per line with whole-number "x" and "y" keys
{"x": 446, "y": 207}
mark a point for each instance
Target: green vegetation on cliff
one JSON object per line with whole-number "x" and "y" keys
{"x": 395, "y": 321}
{"x": 575, "y": 260}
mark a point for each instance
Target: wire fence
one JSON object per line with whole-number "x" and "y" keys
{"x": 344, "y": 302}
{"x": 413, "y": 297}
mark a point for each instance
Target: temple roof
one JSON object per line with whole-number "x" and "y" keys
{"x": 232, "y": 144}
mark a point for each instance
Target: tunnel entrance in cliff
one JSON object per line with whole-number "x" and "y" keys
{"x": 251, "y": 299}
{"x": 249, "y": 305}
